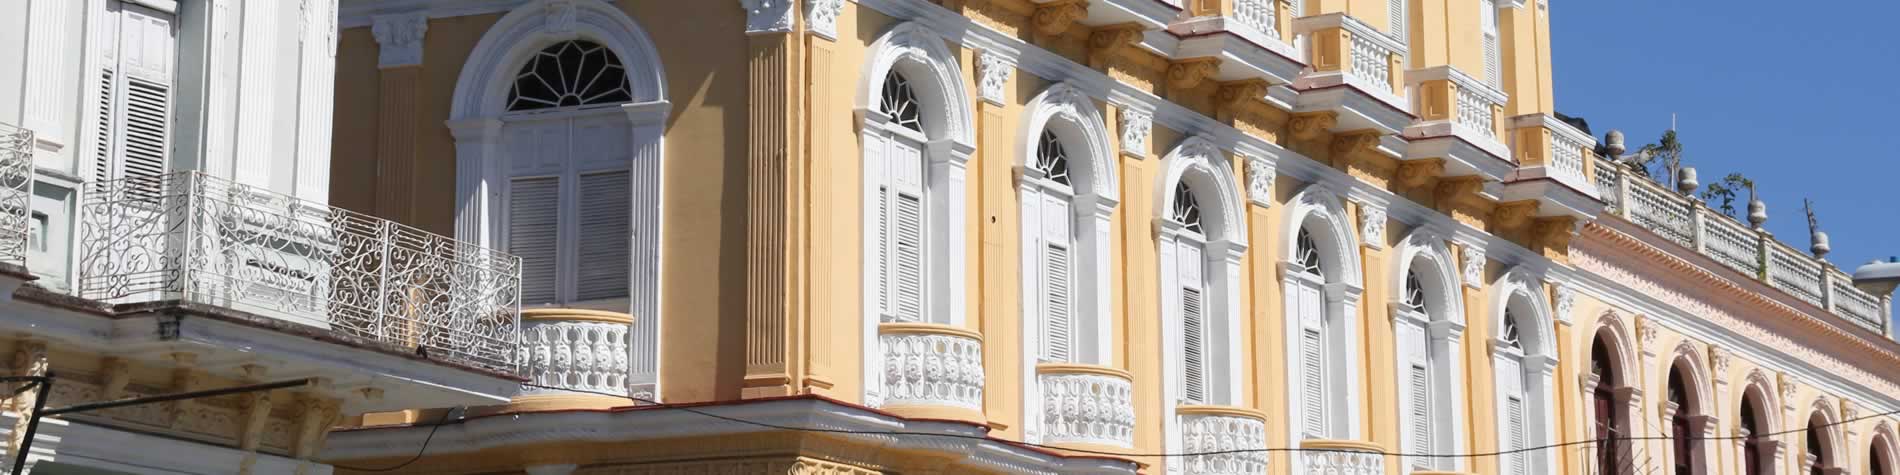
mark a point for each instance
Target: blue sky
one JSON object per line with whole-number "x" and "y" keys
{"x": 1799, "y": 97}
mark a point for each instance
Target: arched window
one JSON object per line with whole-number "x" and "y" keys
{"x": 1314, "y": 365}
{"x": 1608, "y": 414}
{"x": 1200, "y": 245}
{"x": 1749, "y": 429}
{"x": 1756, "y": 424}
{"x": 1428, "y": 327}
{"x": 1880, "y": 451}
{"x": 1516, "y": 402}
{"x": 569, "y": 212}
{"x": 1816, "y": 462}
{"x": 1681, "y": 438}
{"x": 1194, "y": 325}
{"x": 901, "y": 244}
{"x": 1321, "y": 285}
{"x": 1523, "y": 359}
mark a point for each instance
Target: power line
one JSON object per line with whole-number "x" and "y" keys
{"x": 450, "y": 414}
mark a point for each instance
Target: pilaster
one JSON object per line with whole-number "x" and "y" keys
{"x": 257, "y": 90}
{"x": 316, "y": 99}
{"x": 999, "y": 249}
{"x": 775, "y": 169}
{"x": 1380, "y": 362}
{"x": 399, "y": 40}
{"x": 822, "y": 210}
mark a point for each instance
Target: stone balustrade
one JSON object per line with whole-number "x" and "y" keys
{"x": 1367, "y": 58}
{"x": 1341, "y": 457}
{"x": 1222, "y": 429}
{"x": 1086, "y": 405}
{"x": 576, "y": 350}
{"x": 931, "y": 371}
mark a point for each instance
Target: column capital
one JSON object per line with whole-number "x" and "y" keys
{"x": 767, "y": 16}
{"x": 399, "y": 38}
{"x": 1135, "y": 127}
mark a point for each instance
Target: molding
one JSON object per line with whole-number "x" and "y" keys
{"x": 399, "y": 38}
{"x": 767, "y": 16}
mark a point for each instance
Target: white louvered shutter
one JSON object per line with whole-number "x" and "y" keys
{"x": 1194, "y": 341}
{"x": 1493, "y": 53}
{"x": 1396, "y": 9}
{"x": 606, "y": 227}
{"x": 533, "y": 234}
{"x": 1058, "y": 277}
{"x": 135, "y": 94}
{"x": 1313, "y": 415}
{"x": 905, "y": 230}
{"x": 1515, "y": 440}
{"x": 1419, "y": 432}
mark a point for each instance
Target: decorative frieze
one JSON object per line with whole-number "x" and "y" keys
{"x": 1135, "y": 127}
{"x": 993, "y": 71}
{"x": 399, "y": 38}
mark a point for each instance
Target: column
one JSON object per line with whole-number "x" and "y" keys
{"x": 399, "y": 39}
{"x": 774, "y": 159}
{"x": 316, "y": 100}
{"x": 1381, "y": 377}
{"x": 258, "y": 81}
{"x": 1000, "y": 250}
{"x": 819, "y": 211}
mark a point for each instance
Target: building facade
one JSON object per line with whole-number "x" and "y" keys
{"x": 165, "y": 230}
{"x": 887, "y": 236}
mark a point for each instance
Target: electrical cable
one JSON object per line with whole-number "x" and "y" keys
{"x": 419, "y": 451}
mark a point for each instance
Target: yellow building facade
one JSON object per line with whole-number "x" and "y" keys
{"x": 1068, "y": 236}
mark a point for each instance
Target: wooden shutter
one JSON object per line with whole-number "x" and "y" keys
{"x": 1420, "y": 430}
{"x": 1515, "y": 441}
{"x": 606, "y": 227}
{"x": 1493, "y": 54}
{"x": 1396, "y": 10}
{"x": 135, "y": 94}
{"x": 533, "y": 234}
{"x": 906, "y": 231}
{"x": 1311, "y": 307}
{"x": 1194, "y": 347}
{"x": 1058, "y": 277}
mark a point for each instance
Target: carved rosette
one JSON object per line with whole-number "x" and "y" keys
{"x": 1135, "y": 127}
{"x": 1086, "y": 405}
{"x": 1218, "y": 429}
{"x": 993, "y": 71}
{"x": 931, "y": 365}
{"x": 581, "y": 351}
{"x": 1260, "y": 176}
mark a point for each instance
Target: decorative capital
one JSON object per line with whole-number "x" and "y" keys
{"x": 1260, "y": 176}
{"x": 1308, "y": 126}
{"x": 1473, "y": 265}
{"x": 399, "y": 38}
{"x": 1719, "y": 358}
{"x": 1646, "y": 335}
{"x": 1416, "y": 173}
{"x": 1135, "y": 126}
{"x": 1055, "y": 17}
{"x": 1187, "y": 74}
{"x": 767, "y": 16}
{"x": 1371, "y": 225}
{"x": 1787, "y": 385}
{"x": 1106, "y": 41}
{"x": 993, "y": 71}
{"x": 1566, "y": 297}
{"x": 821, "y": 17}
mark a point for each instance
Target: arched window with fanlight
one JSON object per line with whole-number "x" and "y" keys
{"x": 1524, "y": 360}
{"x": 1321, "y": 285}
{"x": 569, "y": 190}
{"x": 900, "y": 206}
{"x": 1200, "y": 245}
{"x": 1309, "y": 301}
{"x": 1428, "y": 328}
{"x": 1193, "y": 305}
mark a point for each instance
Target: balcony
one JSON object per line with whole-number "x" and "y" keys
{"x": 192, "y": 238}
{"x": 1247, "y": 40}
{"x": 1086, "y": 406}
{"x": 1460, "y": 122}
{"x": 931, "y": 371}
{"x": 1223, "y": 429}
{"x": 16, "y": 193}
{"x": 1688, "y": 222}
{"x": 1552, "y": 168}
{"x": 581, "y": 352}
{"x": 1356, "y": 73}
{"x": 1344, "y": 457}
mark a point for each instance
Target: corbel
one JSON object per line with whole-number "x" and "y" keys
{"x": 185, "y": 378}
{"x": 1235, "y": 96}
{"x": 313, "y": 425}
{"x": 1416, "y": 173}
{"x": 1555, "y": 233}
{"x": 1189, "y": 73}
{"x": 1309, "y": 125}
{"x": 1108, "y": 41}
{"x": 1347, "y": 145}
{"x": 257, "y": 407}
{"x": 1514, "y": 215}
{"x": 1054, "y": 18}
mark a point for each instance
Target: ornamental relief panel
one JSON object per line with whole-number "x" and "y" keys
{"x": 1588, "y": 259}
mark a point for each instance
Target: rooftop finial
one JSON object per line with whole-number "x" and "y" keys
{"x": 1816, "y": 238}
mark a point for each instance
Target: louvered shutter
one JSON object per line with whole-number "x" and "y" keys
{"x": 1515, "y": 440}
{"x": 1493, "y": 54}
{"x": 1194, "y": 347}
{"x": 533, "y": 233}
{"x": 135, "y": 96}
{"x": 1058, "y": 276}
{"x": 1312, "y": 360}
{"x": 606, "y": 227}
{"x": 906, "y": 230}
{"x": 1396, "y": 9}
{"x": 1420, "y": 429}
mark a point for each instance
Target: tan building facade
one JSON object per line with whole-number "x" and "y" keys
{"x": 1103, "y": 236}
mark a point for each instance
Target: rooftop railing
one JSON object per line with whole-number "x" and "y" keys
{"x": 1687, "y": 221}
{"x": 16, "y": 192}
{"x": 188, "y": 236}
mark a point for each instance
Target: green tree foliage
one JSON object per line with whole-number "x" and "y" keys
{"x": 1720, "y": 194}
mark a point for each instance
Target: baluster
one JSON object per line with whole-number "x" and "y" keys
{"x": 1762, "y": 241}
{"x": 1699, "y": 226}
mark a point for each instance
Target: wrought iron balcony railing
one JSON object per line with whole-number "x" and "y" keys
{"x": 16, "y": 193}
{"x": 1687, "y": 221}
{"x": 191, "y": 237}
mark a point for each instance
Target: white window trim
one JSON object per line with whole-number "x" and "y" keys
{"x": 934, "y": 74}
{"x": 1205, "y": 168}
{"x": 1441, "y": 333}
{"x": 1537, "y": 360}
{"x": 1093, "y": 193}
{"x": 475, "y": 122}
{"x": 1320, "y": 211}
